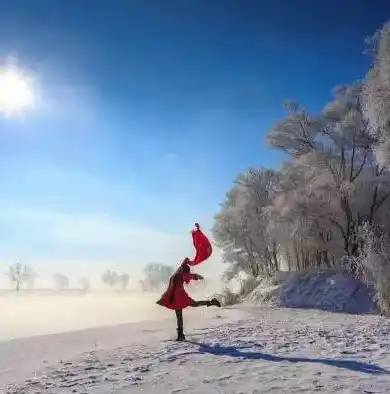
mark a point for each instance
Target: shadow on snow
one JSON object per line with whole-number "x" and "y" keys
{"x": 352, "y": 365}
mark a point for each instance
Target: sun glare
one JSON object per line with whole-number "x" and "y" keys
{"x": 16, "y": 92}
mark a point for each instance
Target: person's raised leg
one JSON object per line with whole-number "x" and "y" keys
{"x": 195, "y": 304}
{"x": 212, "y": 302}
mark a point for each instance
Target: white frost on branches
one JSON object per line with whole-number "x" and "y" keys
{"x": 336, "y": 182}
{"x": 376, "y": 94}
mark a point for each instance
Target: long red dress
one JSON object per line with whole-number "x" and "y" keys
{"x": 175, "y": 297}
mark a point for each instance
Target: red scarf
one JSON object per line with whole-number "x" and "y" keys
{"x": 202, "y": 246}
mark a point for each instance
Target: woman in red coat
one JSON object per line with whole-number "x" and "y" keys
{"x": 177, "y": 299}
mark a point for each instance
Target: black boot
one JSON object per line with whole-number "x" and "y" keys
{"x": 214, "y": 302}
{"x": 180, "y": 334}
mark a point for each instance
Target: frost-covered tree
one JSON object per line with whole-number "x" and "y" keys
{"x": 124, "y": 279}
{"x": 299, "y": 220}
{"x": 310, "y": 212}
{"x": 373, "y": 262}
{"x": 376, "y": 94}
{"x": 341, "y": 182}
{"x": 156, "y": 275}
{"x": 61, "y": 282}
{"x": 19, "y": 273}
{"x": 85, "y": 284}
{"x": 114, "y": 279}
{"x": 240, "y": 228}
{"x": 335, "y": 182}
{"x": 110, "y": 278}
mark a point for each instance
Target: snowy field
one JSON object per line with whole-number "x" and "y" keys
{"x": 29, "y": 315}
{"x": 237, "y": 350}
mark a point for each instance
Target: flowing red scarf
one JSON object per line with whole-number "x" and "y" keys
{"x": 202, "y": 246}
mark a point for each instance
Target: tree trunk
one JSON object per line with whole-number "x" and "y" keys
{"x": 326, "y": 259}
{"x": 288, "y": 259}
{"x": 297, "y": 259}
{"x": 275, "y": 256}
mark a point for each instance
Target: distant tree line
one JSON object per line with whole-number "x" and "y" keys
{"x": 156, "y": 276}
{"x": 113, "y": 279}
{"x": 24, "y": 276}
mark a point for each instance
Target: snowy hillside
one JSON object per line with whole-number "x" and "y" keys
{"x": 327, "y": 290}
{"x": 240, "y": 350}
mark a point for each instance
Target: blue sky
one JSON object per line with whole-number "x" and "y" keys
{"x": 148, "y": 110}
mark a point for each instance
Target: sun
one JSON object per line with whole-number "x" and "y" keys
{"x": 16, "y": 92}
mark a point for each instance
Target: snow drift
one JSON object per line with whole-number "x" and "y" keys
{"x": 326, "y": 290}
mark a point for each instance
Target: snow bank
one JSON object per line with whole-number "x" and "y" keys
{"x": 327, "y": 290}
{"x": 265, "y": 295}
{"x": 266, "y": 292}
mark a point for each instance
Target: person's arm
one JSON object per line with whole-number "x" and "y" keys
{"x": 195, "y": 277}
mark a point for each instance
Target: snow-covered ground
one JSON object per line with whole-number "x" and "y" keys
{"x": 31, "y": 315}
{"x": 232, "y": 350}
{"x": 328, "y": 290}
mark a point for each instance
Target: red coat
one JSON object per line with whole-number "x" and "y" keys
{"x": 175, "y": 297}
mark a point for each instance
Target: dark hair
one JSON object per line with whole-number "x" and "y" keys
{"x": 185, "y": 268}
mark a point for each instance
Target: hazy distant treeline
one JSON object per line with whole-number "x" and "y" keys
{"x": 156, "y": 275}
